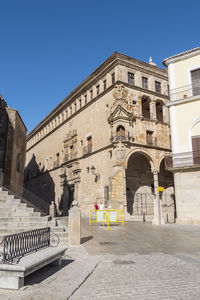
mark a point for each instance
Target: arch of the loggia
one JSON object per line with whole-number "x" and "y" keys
{"x": 143, "y": 174}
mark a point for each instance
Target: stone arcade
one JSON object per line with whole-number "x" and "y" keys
{"x": 106, "y": 142}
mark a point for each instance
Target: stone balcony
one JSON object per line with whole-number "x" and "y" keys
{"x": 121, "y": 138}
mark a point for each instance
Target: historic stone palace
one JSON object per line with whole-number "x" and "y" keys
{"x": 106, "y": 143}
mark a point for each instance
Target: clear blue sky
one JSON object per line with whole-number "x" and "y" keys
{"x": 47, "y": 47}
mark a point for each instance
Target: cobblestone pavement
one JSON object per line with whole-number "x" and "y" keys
{"x": 142, "y": 277}
{"x": 139, "y": 261}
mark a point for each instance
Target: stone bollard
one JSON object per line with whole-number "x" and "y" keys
{"x": 74, "y": 224}
{"x": 52, "y": 210}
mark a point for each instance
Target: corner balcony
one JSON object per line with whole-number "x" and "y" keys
{"x": 184, "y": 92}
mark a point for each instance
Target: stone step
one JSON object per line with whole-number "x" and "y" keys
{"x": 24, "y": 219}
{"x": 10, "y": 201}
{"x": 57, "y": 229}
{"x": 61, "y": 234}
{"x": 10, "y": 205}
{"x": 26, "y": 214}
{"x": 7, "y": 231}
{"x": 2, "y": 192}
{"x": 23, "y": 224}
{"x": 6, "y": 196}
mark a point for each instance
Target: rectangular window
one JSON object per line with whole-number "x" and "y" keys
{"x": 113, "y": 78}
{"x": 85, "y": 98}
{"x": 157, "y": 86}
{"x": 131, "y": 78}
{"x": 97, "y": 87}
{"x": 195, "y": 82}
{"x": 91, "y": 94}
{"x": 80, "y": 103}
{"x": 74, "y": 106}
{"x": 70, "y": 110}
{"x": 149, "y": 138}
{"x": 145, "y": 83}
{"x": 104, "y": 85}
{"x": 89, "y": 143}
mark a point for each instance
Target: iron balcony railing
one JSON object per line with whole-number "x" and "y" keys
{"x": 184, "y": 159}
{"x": 184, "y": 92}
{"x": 121, "y": 138}
{"x": 15, "y": 246}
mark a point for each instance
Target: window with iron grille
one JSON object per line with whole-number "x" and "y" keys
{"x": 145, "y": 83}
{"x": 131, "y": 78}
{"x": 157, "y": 86}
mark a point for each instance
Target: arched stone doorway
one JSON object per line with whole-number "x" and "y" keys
{"x": 139, "y": 186}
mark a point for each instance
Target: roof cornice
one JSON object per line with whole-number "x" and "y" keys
{"x": 181, "y": 56}
{"x": 114, "y": 59}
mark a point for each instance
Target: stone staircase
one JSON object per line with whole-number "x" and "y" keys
{"x": 18, "y": 215}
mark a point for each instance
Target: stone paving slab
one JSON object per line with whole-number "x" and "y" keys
{"x": 56, "y": 282}
{"x": 142, "y": 277}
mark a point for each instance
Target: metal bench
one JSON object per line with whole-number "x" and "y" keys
{"x": 26, "y": 252}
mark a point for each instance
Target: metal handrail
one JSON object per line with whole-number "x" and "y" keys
{"x": 184, "y": 92}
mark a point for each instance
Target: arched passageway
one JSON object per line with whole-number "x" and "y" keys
{"x": 166, "y": 180}
{"x": 139, "y": 186}
{"x": 140, "y": 191}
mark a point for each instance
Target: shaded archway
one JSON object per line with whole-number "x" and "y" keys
{"x": 166, "y": 180}
{"x": 139, "y": 185}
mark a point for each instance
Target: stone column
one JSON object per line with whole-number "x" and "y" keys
{"x": 165, "y": 114}
{"x": 76, "y": 191}
{"x": 139, "y": 106}
{"x": 158, "y": 219}
{"x": 153, "y": 110}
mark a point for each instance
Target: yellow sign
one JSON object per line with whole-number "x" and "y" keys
{"x": 160, "y": 188}
{"x": 106, "y": 216}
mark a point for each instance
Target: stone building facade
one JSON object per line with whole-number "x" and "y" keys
{"x": 12, "y": 148}
{"x": 106, "y": 142}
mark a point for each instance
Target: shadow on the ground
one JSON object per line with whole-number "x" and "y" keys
{"x": 45, "y": 272}
{"x": 86, "y": 239}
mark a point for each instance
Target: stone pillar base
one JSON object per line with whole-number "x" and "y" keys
{"x": 74, "y": 226}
